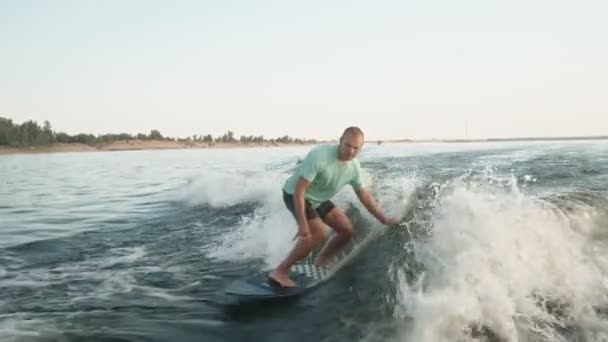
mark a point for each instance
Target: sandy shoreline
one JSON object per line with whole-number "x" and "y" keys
{"x": 135, "y": 145}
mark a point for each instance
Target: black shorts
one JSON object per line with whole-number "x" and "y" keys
{"x": 311, "y": 213}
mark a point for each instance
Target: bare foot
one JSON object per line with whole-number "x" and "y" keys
{"x": 281, "y": 278}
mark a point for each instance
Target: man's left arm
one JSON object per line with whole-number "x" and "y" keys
{"x": 366, "y": 198}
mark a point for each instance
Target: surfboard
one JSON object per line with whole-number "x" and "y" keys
{"x": 305, "y": 274}
{"x": 259, "y": 286}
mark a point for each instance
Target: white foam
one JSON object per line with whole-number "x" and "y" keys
{"x": 221, "y": 188}
{"x": 30, "y": 283}
{"x": 267, "y": 235}
{"x": 12, "y": 329}
{"x": 123, "y": 256}
{"x": 113, "y": 281}
{"x": 494, "y": 256}
{"x": 393, "y": 195}
{"x": 163, "y": 294}
{"x": 24, "y": 327}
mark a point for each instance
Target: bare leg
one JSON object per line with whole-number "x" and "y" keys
{"x": 300, "y": 251}
{"x": 337, "y": 220}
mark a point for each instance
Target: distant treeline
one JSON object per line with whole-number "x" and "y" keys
{"x": 29, "y": 133}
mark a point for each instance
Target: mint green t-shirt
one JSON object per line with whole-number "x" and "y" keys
{"x": 326, "y": 173}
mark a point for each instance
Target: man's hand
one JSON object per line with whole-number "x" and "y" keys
{"x": 390, "y": 221}
{"x": 304, "y": 234}
{"x": 371, "y": 206}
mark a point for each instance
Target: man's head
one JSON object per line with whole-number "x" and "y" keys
{"x": 350, "y": 143}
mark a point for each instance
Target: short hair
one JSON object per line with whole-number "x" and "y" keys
{"x": 352, "y": 130}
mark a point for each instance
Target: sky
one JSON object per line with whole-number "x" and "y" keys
{"x": 418, "y": 69}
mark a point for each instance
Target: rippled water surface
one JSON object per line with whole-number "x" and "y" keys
{"x": 497, "y": 242}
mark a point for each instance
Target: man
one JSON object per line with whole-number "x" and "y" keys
{"x": 307, "y": 193}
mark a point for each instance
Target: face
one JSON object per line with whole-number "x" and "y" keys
{"x": 350, "y": 145}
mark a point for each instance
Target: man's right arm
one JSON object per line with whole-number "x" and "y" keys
{"x": 307, "y": 173}
{"x": 300, "y": 206}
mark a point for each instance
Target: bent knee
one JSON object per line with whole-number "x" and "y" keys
{"x": 317, "y": 229}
